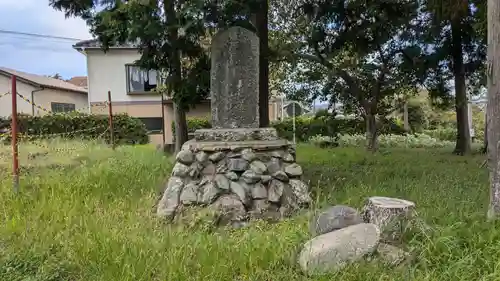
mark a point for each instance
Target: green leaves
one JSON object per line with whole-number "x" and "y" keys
{"x": 434, "y": 32}
{"x": 351, "y": 51}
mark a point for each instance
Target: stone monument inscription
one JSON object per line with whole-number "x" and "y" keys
{"x": 234, "y": 79}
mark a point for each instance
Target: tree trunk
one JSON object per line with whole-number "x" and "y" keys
{"x": 181, "y": 135}
{"x": 493, "y": 108}
{"x": 463, "y": 134}
{"x": 391, "y": 215}
{"x": 181, "y": 130}
{"x": 405, "y": 117}
{"x": 261, "y": 19}
{"x": 371, "y": 131}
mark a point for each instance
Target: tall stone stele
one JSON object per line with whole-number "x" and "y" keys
{"x": 236, "y": 169}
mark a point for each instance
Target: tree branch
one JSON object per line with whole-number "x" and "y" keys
{"x": 381, "y": 75}
{"x": 350, "y": 81}
{"x": 322, "y": 60}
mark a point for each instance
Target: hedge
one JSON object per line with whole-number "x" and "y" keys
{"x": 359, "y": 140}
{"x": 306, "y": 127}
{"x": 195, "y": 123}
{"x": 450, "y": 134}
{"x": 127, "y": 129}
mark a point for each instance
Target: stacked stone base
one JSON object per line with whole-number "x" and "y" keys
{"x": 238, "y": 180}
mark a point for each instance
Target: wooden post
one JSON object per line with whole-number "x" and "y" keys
{"x": 14, "y": 129}
{"x": 111, "y": 132}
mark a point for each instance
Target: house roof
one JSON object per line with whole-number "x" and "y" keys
{"x": 95, "y": 44}
{"x": 80, "y": 81}
{"x": 290, "y": 102}
{"x": 42, "y": 81}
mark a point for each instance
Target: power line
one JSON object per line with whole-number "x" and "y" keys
{"x": 20, "y": 39}
{"x": 41, "y": 48}
{"x": 39, "y": 35}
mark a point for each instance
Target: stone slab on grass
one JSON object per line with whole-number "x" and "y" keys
{"x": 334, "y": 250}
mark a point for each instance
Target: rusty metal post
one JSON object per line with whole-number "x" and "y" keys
{"x": 111, "y": 133}
{"x": 14, "y": 129}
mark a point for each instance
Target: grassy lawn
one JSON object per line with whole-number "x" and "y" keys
{"x": 93, "y": 220}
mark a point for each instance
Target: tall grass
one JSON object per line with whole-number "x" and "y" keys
{"x": 94, "y": 220}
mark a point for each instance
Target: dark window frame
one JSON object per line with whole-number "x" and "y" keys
{"x": 150, "y": 88}
{"x": 62, "y": 107}
{"x": 153, "y": 128}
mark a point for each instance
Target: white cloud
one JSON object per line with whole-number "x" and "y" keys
{"x": 52, "y": 21}
{"x": 36, "y": 55}
{"x": 62, "y": 26}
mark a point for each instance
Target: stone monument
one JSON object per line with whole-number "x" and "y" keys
{"x": 234, "y": 78}
{"x": 236, "y": 169}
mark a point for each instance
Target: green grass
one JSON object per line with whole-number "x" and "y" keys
{"x": 53, "y": 153}
{"x": 94, "y": 220}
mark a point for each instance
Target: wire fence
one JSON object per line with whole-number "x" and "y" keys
{"x": 79, "y": 110}
{"x": 48, "y": 111}
{"x": 30, "y": 149}
{"x": 4, "y": 94}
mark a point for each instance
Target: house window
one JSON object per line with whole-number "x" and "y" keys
{"x": 154, "y": 125}
{"x": 62, "y": 107}
{"x": 140, "y": 80}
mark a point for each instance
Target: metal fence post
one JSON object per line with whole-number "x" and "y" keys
{"x": 14, "y": 129}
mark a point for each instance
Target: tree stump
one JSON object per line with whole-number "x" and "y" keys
{"x": 391, "y": 215}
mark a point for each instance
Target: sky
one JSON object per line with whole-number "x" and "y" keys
{"x": 39, "y": 55}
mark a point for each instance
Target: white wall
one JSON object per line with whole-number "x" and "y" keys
{"x": 106, "y": 72}
{"x": 42, "y": 98}
{"x": 45, "y": 97}
{"x": 6, "y": 100}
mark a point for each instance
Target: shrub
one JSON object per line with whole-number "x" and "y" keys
{"x": 479, "y": 132}
{"x": 441, "y": 119}
{"x": 413, "y": 141}
{"x": 307, "y": 127}
{"x": 324, "y": 141}
{"x": 442, "y": 133}
{"x": 198, "y": 123}
{"x": 417, "y": 118}
{"x": 391, "y": 126}
{"x": 323, "y": 113}
{"x": 126, "y": 129}
{"x": 401, "y": 141}
{"x": 193, "y": 124}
